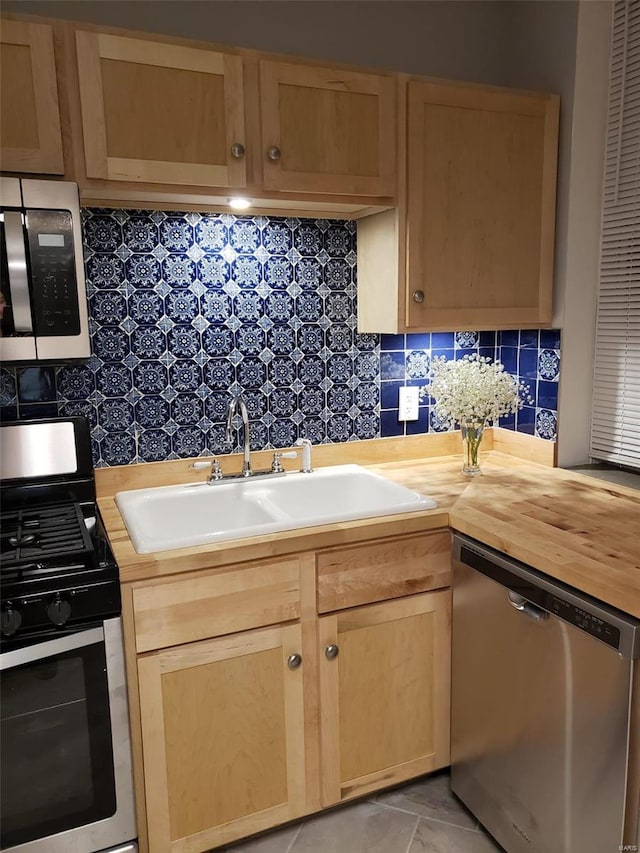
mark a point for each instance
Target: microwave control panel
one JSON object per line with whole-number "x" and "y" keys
{"x": 53, "y": 273}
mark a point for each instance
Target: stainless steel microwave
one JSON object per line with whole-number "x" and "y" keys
{"x": 44, "y": 301}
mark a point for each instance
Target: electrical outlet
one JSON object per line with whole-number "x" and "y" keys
{"x": 408, "y": 397}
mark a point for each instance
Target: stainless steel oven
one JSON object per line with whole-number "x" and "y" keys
{"x": 43, "y": 294}
{"x": 65, "y": 754}
{"x": 66, "y": 761}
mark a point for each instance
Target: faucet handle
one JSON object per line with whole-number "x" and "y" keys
{"x": 216, "y": 470}
{"x": 276, "y": 465}
{"x": 214, "y": 467}
{"x": 305, "y": 444}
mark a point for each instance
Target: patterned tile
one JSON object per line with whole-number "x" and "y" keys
{"x": 213, "y": 310}
{"x": 188, "y": 308}
{"x": 466, "y": 340}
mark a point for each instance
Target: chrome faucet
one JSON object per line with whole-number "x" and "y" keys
{"x": 237, "y": 406}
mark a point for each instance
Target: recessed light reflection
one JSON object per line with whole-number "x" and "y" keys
{"x": 239, "y": 203}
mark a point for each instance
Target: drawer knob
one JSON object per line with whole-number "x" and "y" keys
{"x": 273, "y": 153}
{"x": 418, "y": 295}
{"x": 294, "y": 661}
{"x": 332, "y": 651}
{"x": 237, "y": 150}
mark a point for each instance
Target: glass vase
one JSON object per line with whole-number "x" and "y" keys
{"x": 471, "y": 440}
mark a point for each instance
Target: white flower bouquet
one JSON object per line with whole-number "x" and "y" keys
{"x": 473, "y": 391}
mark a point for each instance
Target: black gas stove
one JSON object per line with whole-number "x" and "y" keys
{"x": 57, "y": 571}
{"x": 63, "y": 718}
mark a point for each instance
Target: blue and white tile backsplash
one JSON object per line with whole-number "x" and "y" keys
{"x": 186, "y": 309}
{"x": 531, "y": 355}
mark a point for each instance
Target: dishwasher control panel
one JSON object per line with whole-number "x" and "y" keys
{"x": 615, "y": 629}
{"x": 588, "y": 622}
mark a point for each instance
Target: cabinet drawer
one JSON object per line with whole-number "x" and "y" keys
{"x": 390, "y": 568}
{"x": 197, "y": 606}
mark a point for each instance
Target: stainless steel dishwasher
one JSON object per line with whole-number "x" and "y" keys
{"x": 541, "y": 731}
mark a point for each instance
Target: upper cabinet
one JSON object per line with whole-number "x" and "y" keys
{"x": 453, "y": 184}
{"x": 156, "y": 112}
{"x": 474, "y": 248}
{"x": 30, "y": 139}
{"x": 327, "y": 130}
{"x": 481, "y": 202}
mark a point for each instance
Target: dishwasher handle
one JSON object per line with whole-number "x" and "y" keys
{"x": 616, "y": 629}
{"x": 523, "y": 606}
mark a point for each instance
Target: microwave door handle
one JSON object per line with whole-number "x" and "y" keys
{"x": 18, "y": 279}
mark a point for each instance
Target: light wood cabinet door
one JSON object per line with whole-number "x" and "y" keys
{"x": 160, "y": 113}
{"x": 30, "y": 139}
{"x": 481, "y": 207}
{"x": 385, "y": 695}
{"x": 473, "y": 247}
{"x": 327, "y": 130}
{"x": 223, "y": 738}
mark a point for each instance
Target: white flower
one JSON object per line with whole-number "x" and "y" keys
{"x": 473, "y": 390}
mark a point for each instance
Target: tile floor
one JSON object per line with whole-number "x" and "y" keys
{"x": 420, "y": 817}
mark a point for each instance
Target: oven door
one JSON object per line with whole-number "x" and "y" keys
{"x": 66, "y": 784}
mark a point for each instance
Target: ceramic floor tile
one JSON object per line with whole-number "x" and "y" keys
{"x": 430, "y": 797}
{"x": 278, "y": 841}
{"x": 360, "y": 828}
{"x": 434, "y": 837}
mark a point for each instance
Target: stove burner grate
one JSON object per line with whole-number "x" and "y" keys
{"x": 43, "y": 533}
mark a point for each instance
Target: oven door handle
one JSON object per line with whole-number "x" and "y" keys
{"x": 18, "y": 279}
{"x": 50, "y": 648}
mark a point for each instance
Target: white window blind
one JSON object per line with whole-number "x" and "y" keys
{"x": 615, "y": 427}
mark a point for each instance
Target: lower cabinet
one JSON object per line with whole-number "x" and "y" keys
{"x": 384, "y": 693}
{"x": 255, "y": 710}
{"x": 223, "y": 737}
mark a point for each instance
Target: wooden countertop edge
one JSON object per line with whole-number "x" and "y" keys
{"x": 541, "y": 527}
{"x": 135, "y": 567}
{"x": 589, "y": 575}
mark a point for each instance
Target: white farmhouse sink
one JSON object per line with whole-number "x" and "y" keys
{"x": 168, "y": 517}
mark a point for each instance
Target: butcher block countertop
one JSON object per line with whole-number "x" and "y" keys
{"x": 573, "y": 528}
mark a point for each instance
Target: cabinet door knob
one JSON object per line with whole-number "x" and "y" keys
{"x": 273, "y": 153}
{"x": 294, "y": 661}
{"x": 418, "y": 295}
{"x": 237, "y": 150}
{"x": 332, "y": 651}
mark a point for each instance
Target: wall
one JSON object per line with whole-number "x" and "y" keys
{"x": 539, "y": 59}
{"x": 464, "y": 40}
{"x": 541, "y": 55}
{"x": 188, "y": 308}
{"x": 582, "y": 244}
